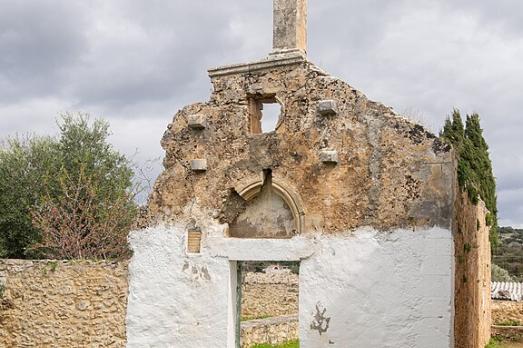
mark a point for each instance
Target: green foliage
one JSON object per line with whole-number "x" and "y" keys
{"x": 475, "y": 174}
{"x": 55, "y": 192}
{"x": 2, "y": 290}
{"x": 494, "y": 343}
{"x": 256, "y": 317}
{"x": 509, "y": 254}
{"x": 291, "y": 344}
{"x": 500, "y": 275}
{"x": 510, "y": 322}
{"x": 26, "y": 166}
{"x": 53, "y": 265}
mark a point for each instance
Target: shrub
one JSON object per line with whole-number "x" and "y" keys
{"x": 76, "y": 194}
{"x": 500, "y": 275}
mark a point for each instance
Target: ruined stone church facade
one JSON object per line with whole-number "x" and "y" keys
{"x": 364, "y": 199}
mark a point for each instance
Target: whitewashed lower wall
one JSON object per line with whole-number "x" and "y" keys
{"x": 373, "y": 289}
{"x": 379, "y": 290}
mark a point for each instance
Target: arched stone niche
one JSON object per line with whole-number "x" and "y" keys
{"x": 272, "y": 210}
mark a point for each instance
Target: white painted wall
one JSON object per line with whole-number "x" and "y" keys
{"x": 378, "y": 289}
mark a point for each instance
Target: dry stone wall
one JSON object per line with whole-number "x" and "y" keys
{"x": 62, "y": 303}
{"x": 273, "y": 331}
{"x": 267, "y": 295}
{"x": 503, "y": 311}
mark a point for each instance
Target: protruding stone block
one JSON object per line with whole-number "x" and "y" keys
{"x": 329, "y": 156}
{"x": 199, "y": 165}
{"x": 327, "y": 107}
{"x": 197, "y": 122}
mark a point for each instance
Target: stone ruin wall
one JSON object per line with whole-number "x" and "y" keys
{"x": 266, "y": 295}
{"x": 390, "y": 173}
{"x": 387, "y": 197}
{"x": 502, "y": 313}
{"x": 472, "y": 301}
{"x": 62, "y": 303}
{"x": 273, "y": 331}
{"x": 507, "y": 310}
{"x": 269, "y": 308}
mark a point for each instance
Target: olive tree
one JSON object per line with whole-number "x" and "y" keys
{"x": 66, "y": 197}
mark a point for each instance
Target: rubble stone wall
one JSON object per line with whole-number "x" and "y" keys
{"x": 273, "y": 331}
{"x": 503, "y": 311}
{"x": 267, "y": 295}
{"x": 371, "y": 196}
{"x": 390, "y": 173}
{"x": 472, "y": 276}
{"x": 62, "y": 303}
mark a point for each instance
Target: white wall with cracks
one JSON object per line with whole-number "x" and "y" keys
{"x": 360, "y": 289}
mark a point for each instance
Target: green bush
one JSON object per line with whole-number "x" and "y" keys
{"x": 494, "y": 343}
{"x": 65, "y": 197}
{"x": 500, "y": 275}
{"x": 510, "y": 322}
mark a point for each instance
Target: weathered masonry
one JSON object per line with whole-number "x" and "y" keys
{"x": 363, "y": 198}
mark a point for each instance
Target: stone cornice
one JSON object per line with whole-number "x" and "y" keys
{"x": 271, "y": 62}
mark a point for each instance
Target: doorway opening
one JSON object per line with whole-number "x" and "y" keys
{"x": 268, "y": 303}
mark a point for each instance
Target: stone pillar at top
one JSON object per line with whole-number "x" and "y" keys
{"x": 290, "y": 26}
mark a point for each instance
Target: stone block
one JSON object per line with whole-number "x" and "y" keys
{"x": 327, "y": 108}
{"x": 197, "y": 122}
{"x": 199, "y": 165}
{"x": 329, "y": 156}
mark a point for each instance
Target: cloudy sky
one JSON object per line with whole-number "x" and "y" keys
{"x": 136, "y": 62}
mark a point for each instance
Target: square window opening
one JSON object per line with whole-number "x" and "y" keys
{"x": 264, "y": 114}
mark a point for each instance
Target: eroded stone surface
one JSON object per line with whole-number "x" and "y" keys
{"x": 391, "y": 172}
{"x": 473, "y": 275}
{"x": 63, "y": 304}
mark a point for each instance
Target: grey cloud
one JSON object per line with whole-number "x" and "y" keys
{"x": 137, "y": 62}
{"x": 39, "y": 41}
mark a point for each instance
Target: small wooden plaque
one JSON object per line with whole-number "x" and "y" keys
{"x": 194, "y": 239}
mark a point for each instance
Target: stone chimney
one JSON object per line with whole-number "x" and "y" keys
{"x": 290, "y": 26}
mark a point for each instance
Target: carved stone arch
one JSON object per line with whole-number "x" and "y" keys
{"x": 251, "y": 189}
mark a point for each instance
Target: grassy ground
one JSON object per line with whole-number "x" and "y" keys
{"x": 494, "y": 343}
{"x": 292, "y": 344}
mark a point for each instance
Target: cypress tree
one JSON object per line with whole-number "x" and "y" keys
{"x": 475, "y": 174}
